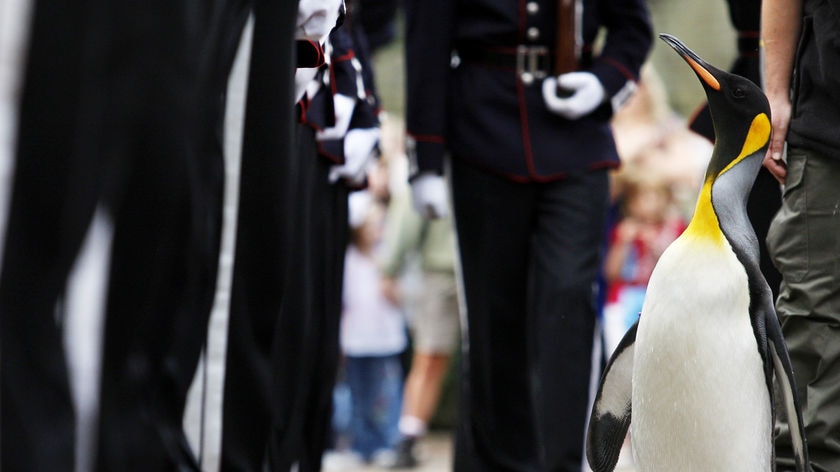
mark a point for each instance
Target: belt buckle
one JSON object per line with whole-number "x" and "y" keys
{"x": 530, "y": 63}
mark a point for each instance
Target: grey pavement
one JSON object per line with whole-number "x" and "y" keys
{"x": 434, "y": 450}
{"x": 436, "y": 456}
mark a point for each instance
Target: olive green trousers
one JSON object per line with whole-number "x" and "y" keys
{"x": 804, "y": 242}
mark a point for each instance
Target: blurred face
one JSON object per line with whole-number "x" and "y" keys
{"x": 649, "y": 204}
{"x": 372, "y": 229}
{"x": 369, "y": 233}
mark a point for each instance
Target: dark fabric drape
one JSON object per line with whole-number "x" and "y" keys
{"x": 262, "y": 237}
{"x": 121, "y": 108}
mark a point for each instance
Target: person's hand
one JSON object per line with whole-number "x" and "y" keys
{"x": 627, "y": 231}
{"x": 585, "y": 93}
{"x": 359, "y": 152}
{"x": 303, "y": 78}
{"x": 428, "y": 192}
{"x": 774, "y": 159}
{"x": 391, "y": 289}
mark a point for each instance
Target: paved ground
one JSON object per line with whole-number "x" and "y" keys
{"x": 435, "y": 453}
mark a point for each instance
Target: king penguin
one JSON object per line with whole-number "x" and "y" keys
{"x": 697, "y": 369}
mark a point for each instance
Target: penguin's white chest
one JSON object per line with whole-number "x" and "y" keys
{"x": 700, "y": 399}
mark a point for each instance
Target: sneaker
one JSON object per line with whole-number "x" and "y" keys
{"x": 384, "y": 458}
{"x": 405, "y": 457}
{"x": 341, "y": 460}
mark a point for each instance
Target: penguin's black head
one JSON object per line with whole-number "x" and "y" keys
{"x": 741, "y": 117}
{"x": 740, "y": 111}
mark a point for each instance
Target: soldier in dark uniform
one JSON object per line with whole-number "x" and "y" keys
{"x": 530, "y": 196}
{"x": 287, "y": 307}
{"x": 317, "y": 239}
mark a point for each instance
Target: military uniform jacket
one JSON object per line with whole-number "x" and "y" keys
{"x": 466, "y": 94}
{"x": 349, "y": 72}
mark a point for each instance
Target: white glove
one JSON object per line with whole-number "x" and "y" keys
{"x": 585, "y": 89}
{"x": 359, "y": 147}
{"x": 428, "y": 192}
{"x": 344, "y": 106}
{"x": 316, "y": 18}
{"x": 303, "y": 78}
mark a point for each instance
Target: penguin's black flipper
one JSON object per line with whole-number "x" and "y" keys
{"x": 787, "y": 387}
{"x": 611, "y": 411}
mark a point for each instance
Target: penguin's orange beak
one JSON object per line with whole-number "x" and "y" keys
{"x": 703, "y": 70}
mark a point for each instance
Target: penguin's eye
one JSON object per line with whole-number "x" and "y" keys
{"x": 738, "y": 92}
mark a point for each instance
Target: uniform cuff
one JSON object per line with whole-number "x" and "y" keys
{"x": 425, "y": 155}
{"x": 618, "y": 81}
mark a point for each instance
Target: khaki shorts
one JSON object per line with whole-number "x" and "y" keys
{"x": 435, "y": 325}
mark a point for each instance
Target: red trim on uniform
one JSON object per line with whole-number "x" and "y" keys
{"x": 310, "y": 53}
{"x": 749, "y": 34}
{"x": 604, "y": 165}
{"x": 483, "y": 166}
{"x": 526, "y": 135}
{"x": 299, "y": 112}
{"x": 520, "y": 179}
{"x": 514, "y": 177}
{"x": 303, "y": 106}
{"x": 427, "y": 138}
{"x": 333, "y": 82}
{"x": 320, "y": 50}
{"x": 312, "y": 125}
{"x": 346, "y": 57}
{"x": 624, "y": 71}
{"x": 329, "y": 156}
{"x": 522, "y": 21}
{"x": 505, "y": 50}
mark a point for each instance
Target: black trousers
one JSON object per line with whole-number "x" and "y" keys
{"x": 119, "y": 110}
{"x": 265, "y": 217}
{"x": 283, "y": 348}
{"x": 306, "y": 338}
{"x": 530, "y": 254}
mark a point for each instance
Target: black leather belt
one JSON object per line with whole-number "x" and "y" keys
{"x": 530, "y": 62}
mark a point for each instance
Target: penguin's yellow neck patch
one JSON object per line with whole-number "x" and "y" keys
{"x": 757, "y": 136}
{"x": 705, "y": 223}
